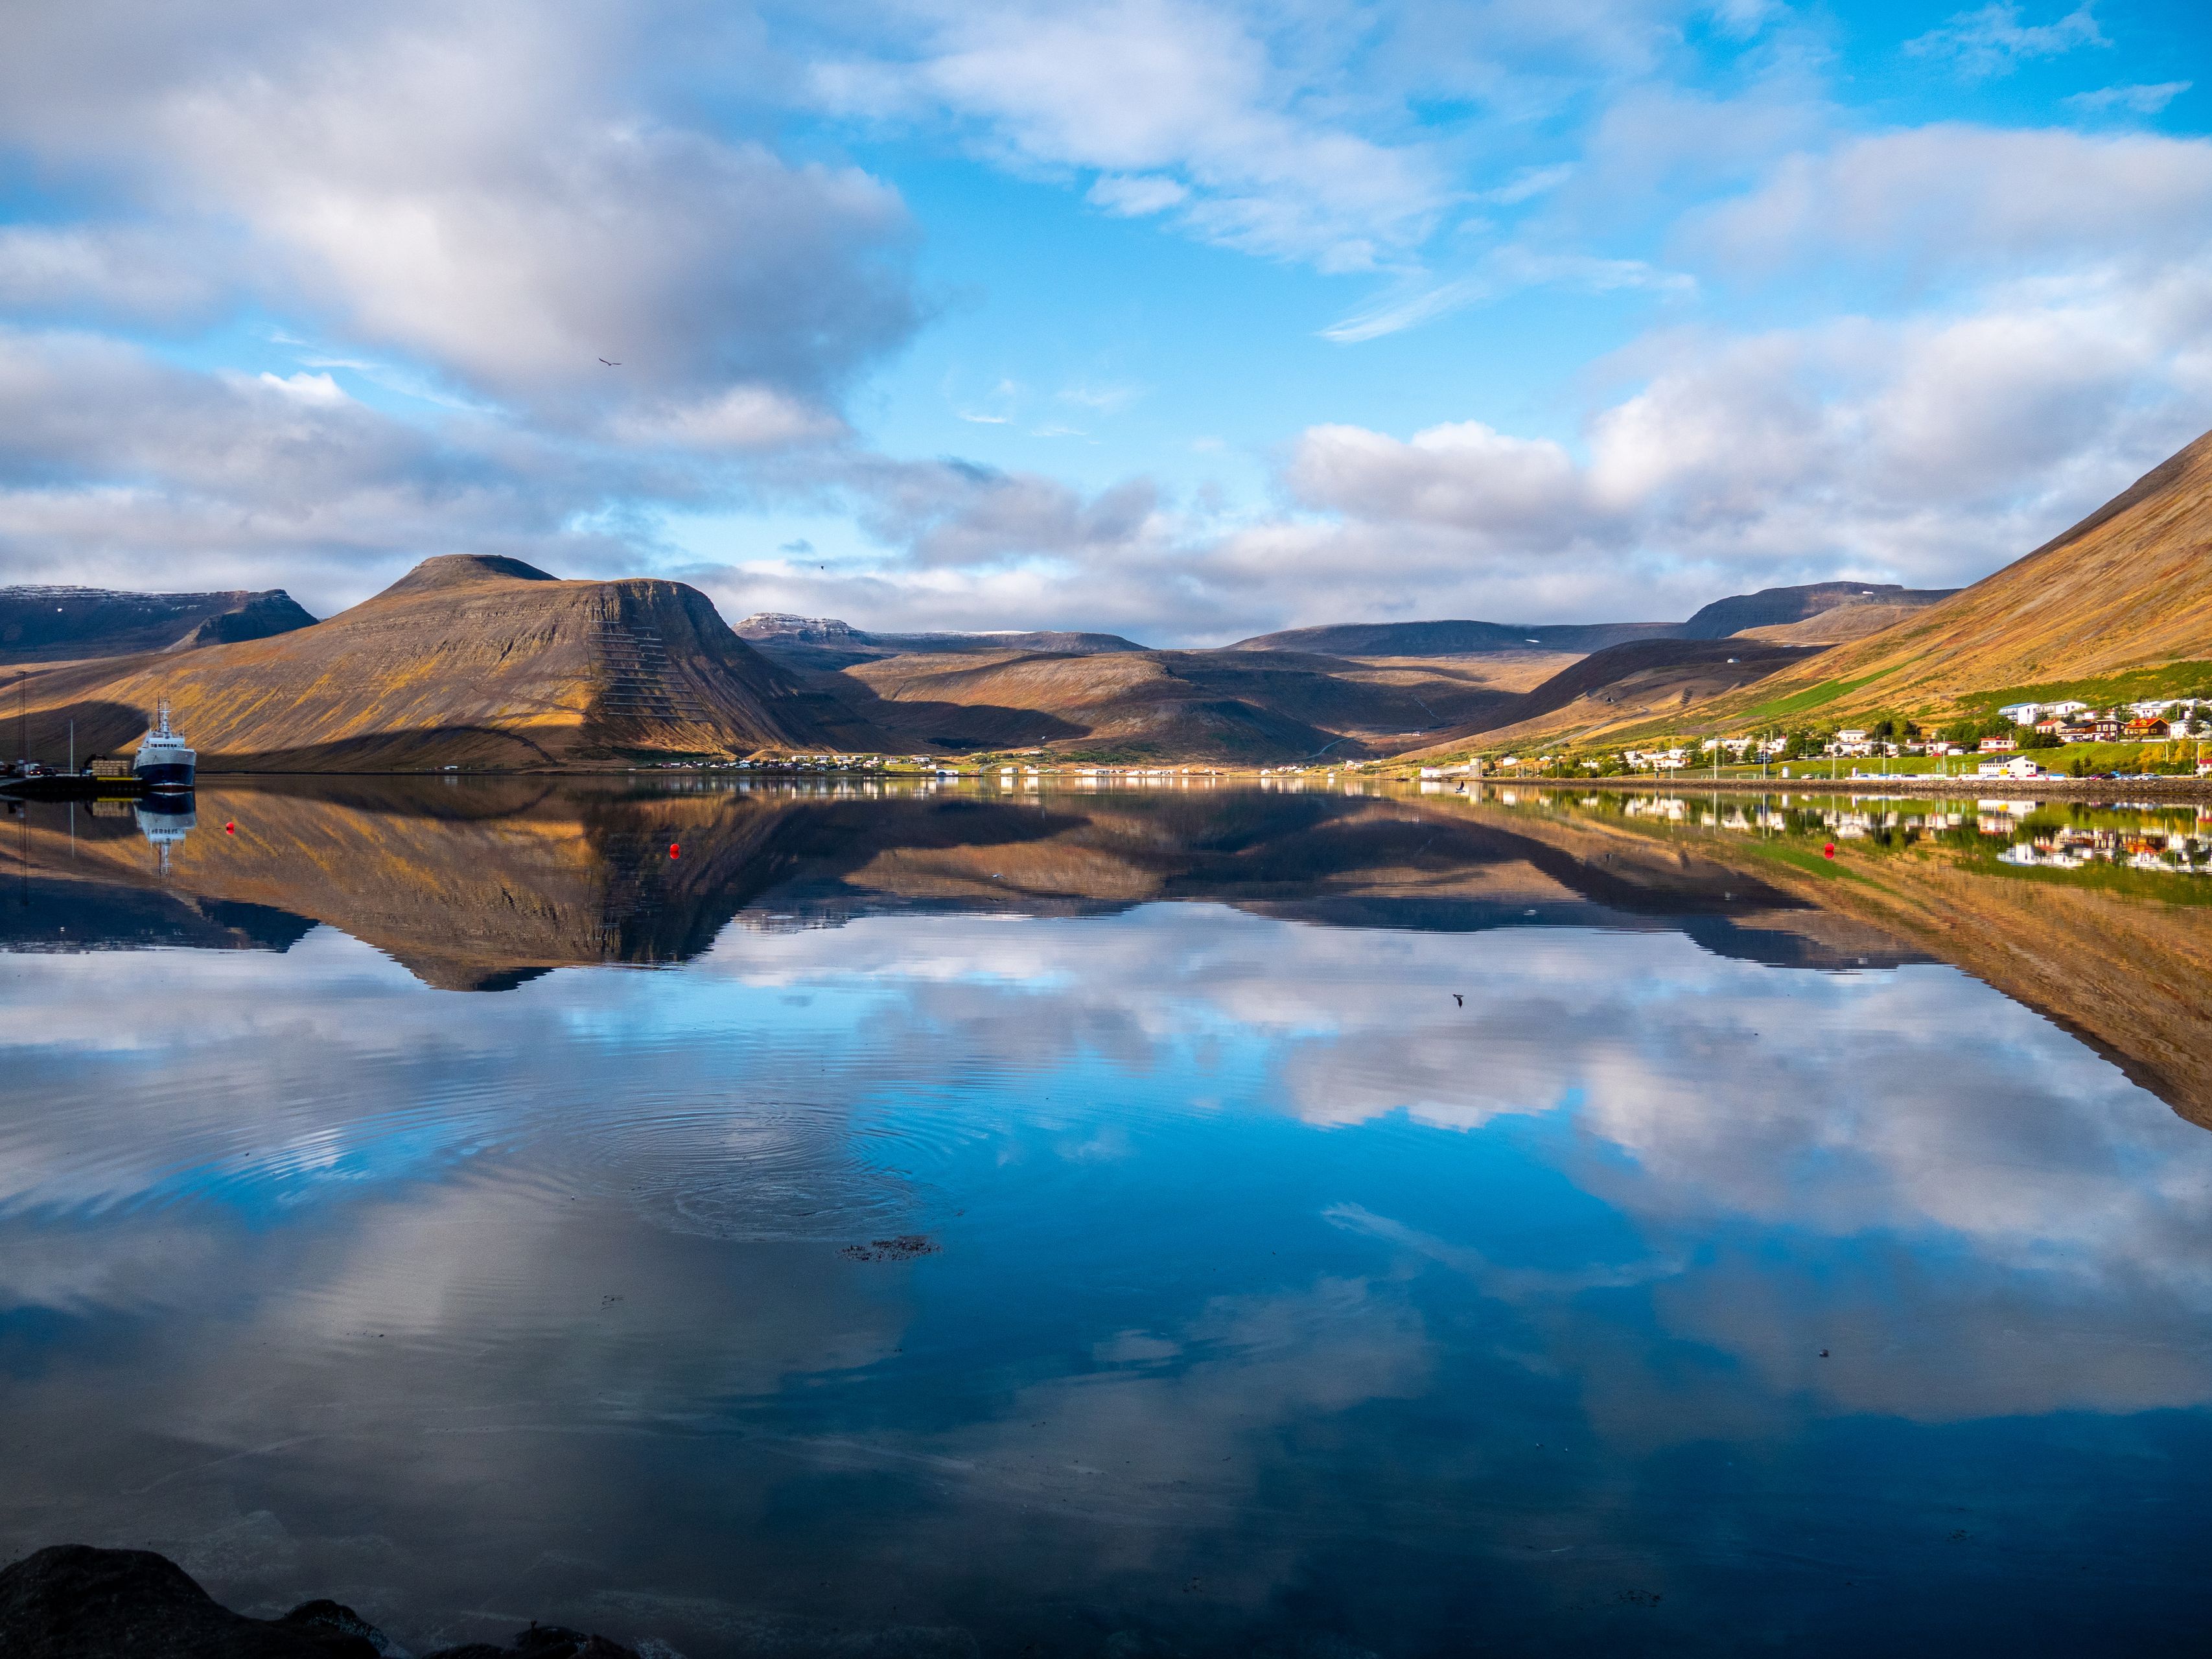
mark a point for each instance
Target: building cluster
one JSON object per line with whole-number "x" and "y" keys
{"x": 2072, "y": 720}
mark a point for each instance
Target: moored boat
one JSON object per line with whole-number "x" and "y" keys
{"x": 164, "y": 760}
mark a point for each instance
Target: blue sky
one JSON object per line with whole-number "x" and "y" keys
{"x": 1184, "y": 319}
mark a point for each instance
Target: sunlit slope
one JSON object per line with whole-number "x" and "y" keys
{"x": 466, "y": 661}
{"x": 1622, "y": 689}
{"x": 2128, "y": 587}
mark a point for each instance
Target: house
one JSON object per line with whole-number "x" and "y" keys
{"x": 1998, "y": 745}
{"x": 2145, "y": 730}
{"x": 2106, "y": 728}
{"x": 2018, "y": 766}
{"x": 2022, "y": 714}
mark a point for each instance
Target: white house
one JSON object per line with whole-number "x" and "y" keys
{"x": 2023, "y": 714}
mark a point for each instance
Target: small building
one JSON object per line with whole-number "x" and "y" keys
{"x": 2152, "y": 730}
{"x": 1998, "y": 745}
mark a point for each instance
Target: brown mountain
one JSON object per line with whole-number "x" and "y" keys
{"x": 2129, "y": 587}
{"x": 1786, "y": 608}
{"x": 1226, "y": 706}
{"x": 1623, "y": 686}
{"x": 1451, "y": 638}
{"x": 780, "y": 629}
{"x": 1346, "y": 691}
{"x": 466, "y": 660}
{"x": 59, "y": 624}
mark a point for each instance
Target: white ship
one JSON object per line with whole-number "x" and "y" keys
{"x": 165, "y": 761}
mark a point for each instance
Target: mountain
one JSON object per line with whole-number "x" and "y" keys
{"x": 1447, "y": 639}
{"x": 466, "y": 660}
{"x": 1624, "y": 685}
{"x": 771, "y": 630}
{"x": 1774, "y": 608}
{"x": 1226, "y": 705}
{"x": 2128, "y": 587}
{"x": 1352, "y": 690}
{"x": 55, "y": 625}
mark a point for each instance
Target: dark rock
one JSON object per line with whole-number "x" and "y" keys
{"x": 72, "y": 1602}
{"x": 541, "y": 1642}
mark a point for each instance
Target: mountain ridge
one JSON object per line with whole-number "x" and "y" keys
{"x": 39, "y": 623}
{"x": 465, "y": 661}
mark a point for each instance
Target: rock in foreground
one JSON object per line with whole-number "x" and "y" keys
{"x": 72, "y": 1602}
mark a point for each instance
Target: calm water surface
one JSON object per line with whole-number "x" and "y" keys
{"x": 1335, "y": 1225}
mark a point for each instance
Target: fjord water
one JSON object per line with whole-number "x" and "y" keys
{"x": 1333, "y": 1224}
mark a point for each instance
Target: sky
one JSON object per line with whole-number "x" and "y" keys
{"x": 1182, "y": 319}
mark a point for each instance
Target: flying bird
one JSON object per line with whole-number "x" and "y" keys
{"x": 1458, "y": 998}
{"x": 610, "y": 364}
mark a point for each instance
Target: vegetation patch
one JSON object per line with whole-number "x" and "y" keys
{"x": 1813, "y": 696}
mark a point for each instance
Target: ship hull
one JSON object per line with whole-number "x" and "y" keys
{"x": 171, "y": 775}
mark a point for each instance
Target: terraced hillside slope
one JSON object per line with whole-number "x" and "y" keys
{"x": 466, "y": 661}
{"x": 2128, "y": 587}
{"x": 61, "y": 624}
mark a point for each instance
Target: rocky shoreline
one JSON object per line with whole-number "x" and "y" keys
{"x": 73, "y": 1602}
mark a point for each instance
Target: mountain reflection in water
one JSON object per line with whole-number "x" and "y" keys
{"x": 1284, "y": 1303}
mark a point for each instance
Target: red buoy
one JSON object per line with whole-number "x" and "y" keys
{"x": 1829, "y": 851}
{"x": 671, "y": 849}
{"x": 229, "y": 828}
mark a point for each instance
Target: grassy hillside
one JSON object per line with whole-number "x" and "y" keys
{"x": 1621, "y": 687}
{"x": 2124, "y": 594}
{"x": 466, "y": 661}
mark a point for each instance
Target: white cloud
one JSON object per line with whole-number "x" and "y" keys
{"x": 1419, "y": 299}
{"x": 1134, "y": 198}
{"x": 742, "y": 417}
{"x": 1179, "y": 106}
{"x": 1953, "y": 200}
{"x": 137, "y": 273}
{"x": 1993, "y": 41}
{"x": 117, "y": 469}
{"x": 2136, "y": 100}
{"x": 474, "y": 191}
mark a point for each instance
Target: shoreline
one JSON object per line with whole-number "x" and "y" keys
{"x": 2169, "y": 788}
